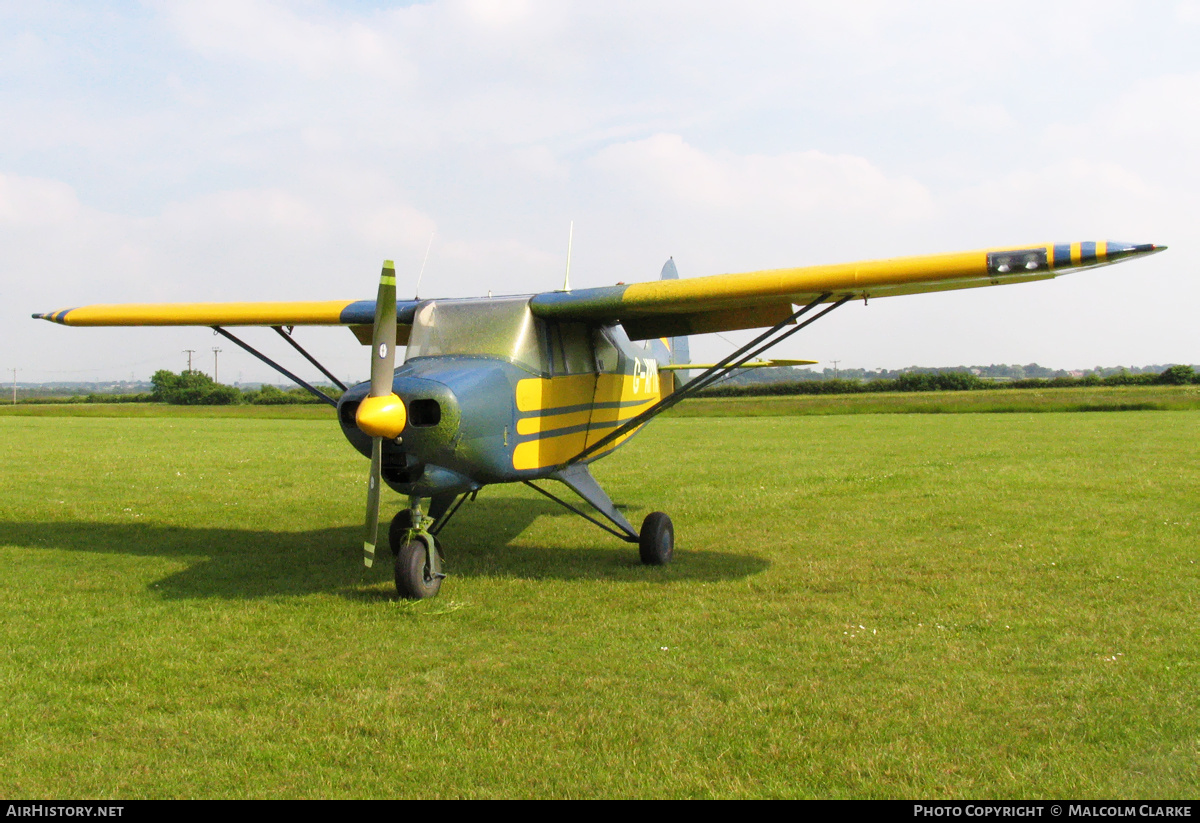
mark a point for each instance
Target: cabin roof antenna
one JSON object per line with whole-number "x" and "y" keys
{"x": 417, "y": 290}
{"x": 567, "y": 275}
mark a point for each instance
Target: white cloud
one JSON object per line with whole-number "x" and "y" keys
{"x": 28, "y": 202}
{"x": 317, "y": 43}
{"x": 665, "y": 168}
{"x": 498, "y": 13}
{"x": 24, "y": 52}
{"x": 1188, "y": 11}
{"x": 260, "y": 150}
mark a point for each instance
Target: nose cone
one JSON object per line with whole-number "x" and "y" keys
{"x": 381, "y": 416}
{"x": 425, "y": 414}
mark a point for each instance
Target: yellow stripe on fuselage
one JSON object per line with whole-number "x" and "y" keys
{"x": 540, "y": 397}
{"x": 596, "y": 417}
{"x": 554, "y": 451}
{"x": 550, "y": 422}
{"x": 541, "y": 394}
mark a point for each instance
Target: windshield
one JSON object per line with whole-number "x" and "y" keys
{"x": 489, "y": 327}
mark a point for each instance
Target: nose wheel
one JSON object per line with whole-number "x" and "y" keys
{"x": 415, "y": 578}
{"x": 418, "y": 559}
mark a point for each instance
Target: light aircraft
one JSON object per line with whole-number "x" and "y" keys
{"x": 534, "y": 387}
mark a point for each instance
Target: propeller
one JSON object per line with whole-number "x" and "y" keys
{"x": 381, "y": 414}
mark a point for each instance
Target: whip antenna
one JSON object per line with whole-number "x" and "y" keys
{"x": 567, "y": 276}
{"x": 417, "y": 291}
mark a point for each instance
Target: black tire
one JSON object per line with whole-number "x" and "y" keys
{"x": 398, "y": 531}
{"x": 656, "y": 544}
{"x": 413, "y": 580}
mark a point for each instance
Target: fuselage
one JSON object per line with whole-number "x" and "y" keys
{"x": 496, "y": 395}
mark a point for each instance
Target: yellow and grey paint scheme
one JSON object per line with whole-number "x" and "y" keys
{"x": 463, "y": 412}
{"x": 538, "y": 422}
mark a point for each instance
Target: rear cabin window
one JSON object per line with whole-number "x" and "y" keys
{"x": 607, "y": 357}
{"x": 570, "y": 349}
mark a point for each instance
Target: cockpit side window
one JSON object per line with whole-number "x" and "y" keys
{"x": 499, "y": 327}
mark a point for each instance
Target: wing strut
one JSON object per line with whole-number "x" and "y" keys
{"x": 322, "y": 395}
{"x": 287, "y": 335}
{"x": 711, "y": 375}
{"x": 579, "y": 480}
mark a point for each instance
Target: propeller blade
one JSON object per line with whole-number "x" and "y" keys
{"x": 383, "y": 338}
{"x": 373, "y": 502}
{"x": 381, "y": 414}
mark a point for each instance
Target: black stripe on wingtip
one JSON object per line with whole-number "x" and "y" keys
{"x": 54, "y": 316}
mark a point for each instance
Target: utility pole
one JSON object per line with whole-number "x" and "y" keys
{"x": 14, "y": 371}
{"x": 189, "y": 353}
{"x": 835, "y": 371}
{"x": 216, "y": 351}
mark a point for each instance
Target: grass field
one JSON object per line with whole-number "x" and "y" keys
{"x": 1092, "y": 398}
{"x": 987, "y": 401}
{"x": 921, "y": 605}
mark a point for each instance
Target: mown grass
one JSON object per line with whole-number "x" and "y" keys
{"x": 860, "y": 606}
{"x": 1051, "y": 399}
{"x": 989, "y": 401}
{"x": 314, "y": 411}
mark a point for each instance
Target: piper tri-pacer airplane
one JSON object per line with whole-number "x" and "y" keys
{"x": 535, "y": 387}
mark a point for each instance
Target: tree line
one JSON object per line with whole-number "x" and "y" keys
{"x": 951, "y": 381}
{"x": 194, "y": 388}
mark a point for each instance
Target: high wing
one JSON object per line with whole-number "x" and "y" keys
{"x": 665, "y": 308}
{"x": 358, "y": 315}
{"x": 723, "y": 302}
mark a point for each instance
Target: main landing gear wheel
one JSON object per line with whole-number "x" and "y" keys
{"x": 656, "y": 543}
{"x": 414, "y": 578}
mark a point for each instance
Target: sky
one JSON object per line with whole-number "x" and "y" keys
{"x": 252, "y": 150}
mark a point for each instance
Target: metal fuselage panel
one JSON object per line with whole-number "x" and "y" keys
{"x": 476, "y": 419}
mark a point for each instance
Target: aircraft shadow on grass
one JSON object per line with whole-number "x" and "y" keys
{"x": 238, "y": 563}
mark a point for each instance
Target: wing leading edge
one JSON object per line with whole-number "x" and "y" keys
{"x": 671, "y": 307}
{"x": 295, "y": 313}
{"x": 755, "y": 299}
